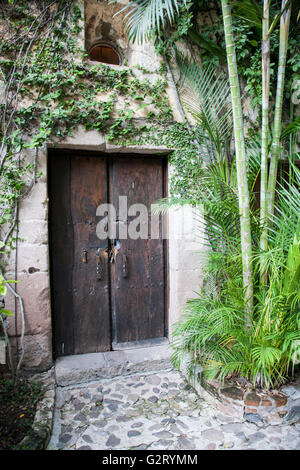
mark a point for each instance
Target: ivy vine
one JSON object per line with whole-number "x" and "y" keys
{"x": 50, "y": 88}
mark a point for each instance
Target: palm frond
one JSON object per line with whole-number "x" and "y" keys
{"x": 144, "y": 16}
{"x": 206, "y": 97}
{"x": 207, "y": 44}
{"x": 291, "y": 129}
{"x": 249, "y": 11}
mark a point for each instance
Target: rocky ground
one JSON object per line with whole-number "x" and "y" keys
{"x": 155, "y": 411}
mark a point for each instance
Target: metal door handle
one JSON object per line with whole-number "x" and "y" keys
{"x": 124, "y": 266}
{"x": 99, "y": 265}
{"x": 84, "y": 256}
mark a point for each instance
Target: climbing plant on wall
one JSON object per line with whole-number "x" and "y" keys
{"x": 49, "y": 87}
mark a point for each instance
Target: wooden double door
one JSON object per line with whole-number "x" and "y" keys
{"x": 106, "y": 293}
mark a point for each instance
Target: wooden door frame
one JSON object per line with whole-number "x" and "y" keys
{"x": 109, "y": 156}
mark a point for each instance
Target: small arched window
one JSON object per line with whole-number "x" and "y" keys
{"x": 103, "y": 52}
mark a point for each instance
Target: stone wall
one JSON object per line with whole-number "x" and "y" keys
{"x": 31, "y": 261}
{"x": 102, "y": 25}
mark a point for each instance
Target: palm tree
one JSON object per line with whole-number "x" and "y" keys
{"x": 265, "y": 130}
{"x": 284, "y": 31}
{"x": 240, "y": 156}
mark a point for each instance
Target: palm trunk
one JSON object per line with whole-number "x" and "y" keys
{"x": 265, "y": 131}
{"x": 241, "y": 160}
{"x": 284, "y": 31}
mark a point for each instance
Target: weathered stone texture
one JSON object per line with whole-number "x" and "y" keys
{"x": 34, "y": 206}
{"x": 38, "y": 351}
{"x": 34, "y": 289}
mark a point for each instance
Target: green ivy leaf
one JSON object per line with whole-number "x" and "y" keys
{"x": 3, "y": 289}
{"x": 5, "y": 311}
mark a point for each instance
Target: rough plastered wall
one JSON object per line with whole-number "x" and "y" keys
{"x": 102, "y": 25}
{"x": 30, "y": 263}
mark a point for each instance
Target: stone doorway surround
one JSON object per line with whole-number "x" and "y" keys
{"x": 30, "y": 262}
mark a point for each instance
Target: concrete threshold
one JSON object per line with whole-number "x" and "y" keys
{"x": 81, "y": 368}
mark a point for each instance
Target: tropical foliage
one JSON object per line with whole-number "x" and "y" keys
{"x": 213, "y": 331}
{"x": 246, "y": 319}
{"x": 146, "y": 15}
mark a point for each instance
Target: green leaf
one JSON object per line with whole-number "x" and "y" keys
{"x": 3, "y": 289}
{"x": 206, "y": 44}
{"x": 249, "y": 11}
{"x": 292, "y": 273}
{"x": 292, "y": 128}
{"x": 5, "y": 311}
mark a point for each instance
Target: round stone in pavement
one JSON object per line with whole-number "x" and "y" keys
{"x": 80, "y": 417}
{"x": 65, "y": 438}
{"x": 293, "y": 415}
{"x": 113, "y": 441}
{"x": 232, "y": 428}
{"x": 153, "y": 380}
{"x": 137, "y": 425}
{"x": 153, "y": 399}
{"x": 133, "y": 433}
{"x": 257, "y": 436}
{"x": 185, "y": 444}
{"x": 213, "y": 435}
{"x": 253, "y": 418}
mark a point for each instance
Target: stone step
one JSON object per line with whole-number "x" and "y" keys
{"x": 81, "y": 368}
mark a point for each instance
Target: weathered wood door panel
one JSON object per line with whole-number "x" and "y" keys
{"x": 99, "y": 301}
{"x": 137, "y": 295}
{"x": 80, "y": 301}
{"x": 90, "y": 294}
{"x": 61, "y": 238}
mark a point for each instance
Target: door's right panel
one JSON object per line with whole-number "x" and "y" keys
{"x": 137, "y": 274}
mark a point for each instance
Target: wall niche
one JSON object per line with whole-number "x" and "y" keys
{"x": 105, "y": 38}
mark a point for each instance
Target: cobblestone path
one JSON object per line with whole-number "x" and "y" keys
{"x": 154, "y": 411}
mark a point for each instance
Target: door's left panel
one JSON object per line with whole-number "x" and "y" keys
{"x": 79, "y": 269}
